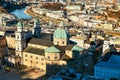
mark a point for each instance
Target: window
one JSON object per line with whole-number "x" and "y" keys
{"x": 36, "y": 57}
{"x": 30, "y": 61}
{"x": 63, "y": 63}
{"x": 55, "y": 57}
{"x": 48, "y": 57}
{"x": 42, "y": 59}
{"x": 42, "y": 64}
{"x": 36, "y": 62}
{"x": 57, "y": 42}
{"x": 18, "y": 37}
{"x": 26, "y": 55}
{"x": 30, "y": 56}
{"x": 63, "y": 42}
{"x": 25, "y": 59}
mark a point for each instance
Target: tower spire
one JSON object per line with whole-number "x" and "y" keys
{"x": 62, "y": 25}
{"x": 37, "y": 29}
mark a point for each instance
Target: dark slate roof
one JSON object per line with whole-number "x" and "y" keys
{"x": 65, "y": 57}
{"x": 69, "y": 47}
{"x": 42, "y": 42}
{"x": 62, "y": 48}
{"x": 33, "y": 50}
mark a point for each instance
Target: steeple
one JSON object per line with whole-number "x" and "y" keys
{"x": 19, "y": 26}
{"x": 36, "y": 21}
{"x": 20, "y": 40}
{"x": 61, "y": 35}
{"x": 62, "y": 25}
{"x": 37, "y": 29}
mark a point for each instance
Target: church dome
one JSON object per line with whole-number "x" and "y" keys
{"x": 61, "y": 32}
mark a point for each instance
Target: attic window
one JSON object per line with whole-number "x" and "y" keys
{"x": 57, "y": 42}
{"x": 63, "y": 42}
{"x": 48, "y": 57}
{"x": 55, "y": 57}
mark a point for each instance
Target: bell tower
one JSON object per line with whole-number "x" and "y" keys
{"x": 20, "y": 40}
{"x": 37, "y": 28}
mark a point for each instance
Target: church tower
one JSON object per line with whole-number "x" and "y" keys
{"x": 20, "y": 41}
{"x": 61, "y": 35}
{"x": 37, "y": 29}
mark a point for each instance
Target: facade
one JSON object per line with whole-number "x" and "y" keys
{"x": 10, "y": 39}
{"x": 48, "y": 55}
{"x": 42, "y": 54}
{"x": 108, "y": 69}
{"x": 79, "y": 39}
{"x": 106, "y": 26}
{"x": 20, "y": 41}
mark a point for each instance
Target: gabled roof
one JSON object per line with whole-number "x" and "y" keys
{"x": 77, "y": 48}
{"x": 52, "y": 49}
{"x": 42, "y": 42}
{"x": 83, "y": 36}
{"x": 65, "y": 57}
{"x": 33, "y": 50}
{"x": 69, "y": 47}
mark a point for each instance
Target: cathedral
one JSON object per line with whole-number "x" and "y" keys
{"x": 41, "y": 54}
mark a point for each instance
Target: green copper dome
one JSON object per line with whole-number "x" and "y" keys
{"x": 52, "y": 49}
{"x": 19, "y": 24}
{"x": 60, "y": 32}
{"x": 77, "y": 48}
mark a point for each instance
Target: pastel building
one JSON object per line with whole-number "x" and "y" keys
{"x": 48, "y": 55}
{"x": 108, "y": 68}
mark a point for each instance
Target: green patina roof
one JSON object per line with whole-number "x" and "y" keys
{"x": 77, "y": 48}
{"x": 61, "y": 33}
{"x": 36, "y": 20}
{"x": 52, "y": 49}
{"x": 19, "y": 24}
